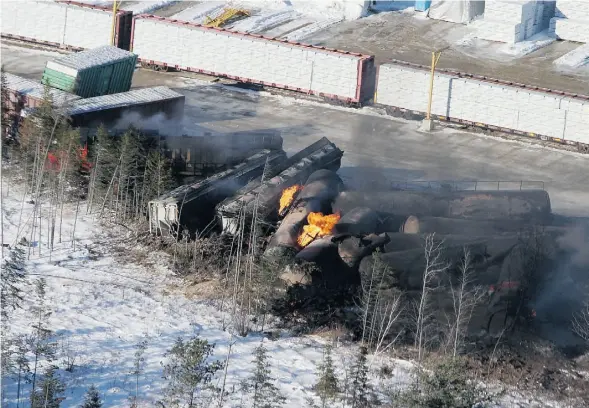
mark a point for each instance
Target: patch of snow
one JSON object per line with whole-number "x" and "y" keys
{"x": 472, "y": 45}
{"x": 141, "y": 7}
{"x": 264, "y": 21}
{"x": 102, "y": 3}
{"x": 529, "y": 45}
{"x": 575, "y": 58}
{"x": 323, "y": 9}
{"x": 199, "y": 13}
{"x": 102, "y": 306}
{"x": 289, "y": 27}
{"x": 304, "y": 32}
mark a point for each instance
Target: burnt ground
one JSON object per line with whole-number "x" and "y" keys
{"x": 398, "y": 35}
{"x": 528, "y": 363}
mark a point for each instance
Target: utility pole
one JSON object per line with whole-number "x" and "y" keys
{"x": 115, "y": 7}
{"x": 428, "y": 123}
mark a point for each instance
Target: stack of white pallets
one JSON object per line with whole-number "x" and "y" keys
{"x": 571, "y": 21}
{"x": 512, "y": 21}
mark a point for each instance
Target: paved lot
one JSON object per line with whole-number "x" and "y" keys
{"x": 378, "y": 149}
{"x": 402, "y": 36}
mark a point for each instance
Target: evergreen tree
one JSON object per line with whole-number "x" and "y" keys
{"x": 138, "y": 368}
{"x": 39, "y": 344}
{"x": 158, "y": 175}
{"x": 92, "y": 398}
{"x": 48, "y": 393}
{"x": 447, "y": 384}
{"x": 188, "y": 372}
{"x": 11, "y": 275}
{"x": 17, "y": 364}
{"x": 327, "y": 386}
{"x": 6, "y": 120}
{"x": 362, "y": 395}
{"x": 260, "y": 383}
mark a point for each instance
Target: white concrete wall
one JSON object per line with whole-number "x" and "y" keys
{"x": 571, "y": 30}
{"x": 57, "y": 23}
{"x": 39, "y": 20}
{"x": 256, "y": 59}
{"x": 87, "y": 28}
{"x": 573, "y": 9}
{"x": 484, "y": 102}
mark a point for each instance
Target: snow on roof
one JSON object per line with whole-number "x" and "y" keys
{"x": 105, "y": 54}
{"x": 34, "y": 89}
{"x": 133, "y": 97}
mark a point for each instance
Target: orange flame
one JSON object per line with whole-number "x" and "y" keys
{"x": 319, "y": 225}
{"x": 288, "y": 196}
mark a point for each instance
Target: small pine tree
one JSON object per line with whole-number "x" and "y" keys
{"x": 6, "y": 120}
{"x": 188, "y": 371}
{"x": 448, "y": 384}
{"x": 327, "y": 386}
{"x": 158, "y": 177}
{"x": 12, "y": 274}
{"x": 49, "y": 390}
{"x": 138, "y": 368}
{"x": 265, "y": 393}
{"x": 92, "y": 398}
{"x": 362, "y": 395}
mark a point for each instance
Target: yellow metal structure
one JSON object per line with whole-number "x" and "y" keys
{"x": 227, "y": 15}
{"x": 115, "y": 7}
{"x": 435, "y": 59}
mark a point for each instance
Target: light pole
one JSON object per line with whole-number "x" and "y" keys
{"x": 115, "y": 6}
{"x": 428, "y": 123}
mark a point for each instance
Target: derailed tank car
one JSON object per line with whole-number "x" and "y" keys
{"x": 192, "y": 206}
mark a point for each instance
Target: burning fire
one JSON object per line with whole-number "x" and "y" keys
{"x": 288, "y": 196}
{"x": 319, "y": 225}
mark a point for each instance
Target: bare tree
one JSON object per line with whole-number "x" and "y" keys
{"x": 380, "y": 308}
{"x": 434, "y": 266}
{"x": 465, "y": 297}
{"x": 581, "y": 322}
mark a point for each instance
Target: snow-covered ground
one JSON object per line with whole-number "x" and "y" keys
{"x": 265, "y": 21}
{"x": 292, "y": 20}
{"x": 104, "y": 302}
{"x": 517, "y": 50}
{"x": 139, "y": 7}
{"x": 577, "y": 58}
{"x": 199, "y": 12}
{"x": 107, "y": 295}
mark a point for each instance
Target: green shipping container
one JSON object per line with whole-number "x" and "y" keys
{"x": 100, "y": 71}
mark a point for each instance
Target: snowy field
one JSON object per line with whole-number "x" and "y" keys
{"x": 107, "y": 295}
{"x": 292, "y": 20}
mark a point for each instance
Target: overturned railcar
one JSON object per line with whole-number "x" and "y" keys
{"x": 107, "y": 110}
{"x": 192, "y": 206}
{"x": 322, "y": 154}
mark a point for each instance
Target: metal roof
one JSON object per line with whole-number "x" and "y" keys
{"x": 34, "y": 89}
{"x": 106, "y": 54}
{"x": 133, "y": 97}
